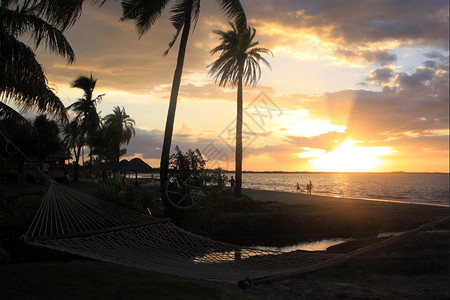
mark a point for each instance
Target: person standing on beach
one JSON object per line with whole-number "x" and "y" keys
{"x": 309, "y": 187}
{"x": 298, "y": 187}
{"x": 45, "y": 168}
{"x": 232, "y": 183}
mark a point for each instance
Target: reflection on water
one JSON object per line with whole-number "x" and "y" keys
{"x": 389, "y": 234}
{"x": 310, "y": 246}
{"x": 228, "y": 256}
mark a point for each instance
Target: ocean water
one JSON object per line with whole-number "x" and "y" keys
{"x": 403, "y": 187}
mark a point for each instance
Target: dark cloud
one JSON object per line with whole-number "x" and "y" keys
{"x": 380, "y": 57}
{"x": 428, "y": 81}
{"x": 146, "y": 142}
{"x": 380, "y": 76}
{"x": 357, "y": 28}
{"x": 381, "y": 20}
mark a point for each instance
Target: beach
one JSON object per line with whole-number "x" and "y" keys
{"x": 294, "y": 217}
{"x": 414, "y": 268}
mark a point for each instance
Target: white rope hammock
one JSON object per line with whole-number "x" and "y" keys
{"x": 80, "y": 224}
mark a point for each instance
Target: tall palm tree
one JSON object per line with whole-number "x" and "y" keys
{"x": 86, "y": 110}
{"x": 238, "y": 64}
{"x": 185, "y": 15}
{"x": 23, "y": 81}
{"x": 118, "y": 130}
{"x": 74, "y": 138}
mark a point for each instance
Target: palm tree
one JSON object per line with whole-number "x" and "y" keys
{"x": 238, "y": 64}
{"x": 87, "y": 116}
{"x": 23, "y": 81}
{"x": 118, "y": 130}
{"x": 185, "y": 14}
{"x": 74, "y": 139}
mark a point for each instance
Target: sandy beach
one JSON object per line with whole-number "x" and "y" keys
{"x": 414, "y": 268}
{"x": 291, "y": 217}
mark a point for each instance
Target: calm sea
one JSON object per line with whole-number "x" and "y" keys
{"x": 403, "y": 187}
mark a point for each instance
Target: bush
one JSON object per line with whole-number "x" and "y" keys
{"x": 135, "y": 198}
{"x": 115, "y": 192}
{"x": 4, "y": 256}
{"x": 210, "y": 213}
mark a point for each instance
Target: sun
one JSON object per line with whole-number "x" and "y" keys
{"x": 349, "y": 158}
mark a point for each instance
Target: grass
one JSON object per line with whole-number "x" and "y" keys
{"x": 88, "y": 279}
{"x": 37, "y": 273}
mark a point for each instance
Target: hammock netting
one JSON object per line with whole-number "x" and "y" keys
{"x": 80, "y": 224}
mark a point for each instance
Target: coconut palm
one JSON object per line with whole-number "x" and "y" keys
{"x": 118, "y": 130}
{"x": 185, "y": 15}
{"x": 23, "y": 81}
{"x": 86, "y": 111}
{"x": 74, "y": 139}
{"x": 238, "y": 64}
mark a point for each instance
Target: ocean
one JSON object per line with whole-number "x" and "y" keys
{"x": 421, "y": 188}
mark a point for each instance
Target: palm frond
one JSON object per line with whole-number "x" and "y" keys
{"x": 24, "y": 80}
{"x": 87, "y": 84}
{"x": 234, "y": 11}
{"x": 17, "y": 23}
{"x": 178, "y": 19}
{"x": 238, "y": 53}
{"x": 62, "y": 14}
{"x": 145, "y": 13}
{"x": 7, "y": 112}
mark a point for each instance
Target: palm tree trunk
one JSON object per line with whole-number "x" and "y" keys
{"x": 238, "y": 157}
{"x": 76, "y": 170}
{"x": 165, "y": 155}
{"x": 21, "y": 175}
{"x": 90, "y": 159}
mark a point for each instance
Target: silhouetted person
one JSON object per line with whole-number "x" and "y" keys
{"x": 45, "y": 167}
{"x": 298, "y": 187}
{"x": 309, "y": 187}
{"x": 232, "y": 183}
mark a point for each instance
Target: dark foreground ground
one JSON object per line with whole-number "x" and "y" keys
{"x": 415, "y": 268}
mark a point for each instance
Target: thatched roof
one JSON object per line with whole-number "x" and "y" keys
{"x": 134, "y": 165}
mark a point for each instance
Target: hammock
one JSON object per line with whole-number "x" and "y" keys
{"x": 80, "y": 224}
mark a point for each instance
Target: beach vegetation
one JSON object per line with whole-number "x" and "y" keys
{"x": 86, "y": 120}
{"x": 184, "y": 17}
{"x": 30, "y": 142}
{"x": 238, "y": 65}
{"x": 118, "y": 128}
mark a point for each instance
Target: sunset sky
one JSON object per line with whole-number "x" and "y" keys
{"x": 354, "y": 85}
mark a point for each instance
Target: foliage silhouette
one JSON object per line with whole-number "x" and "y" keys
{"x": 238, "y": 64}
{"x": 184, "y": 17}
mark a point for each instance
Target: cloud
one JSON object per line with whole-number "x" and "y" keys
{"x": 146, "y": 142}
{"x": 380, "y": 76}
{"x": 380, "y": 57}
{"x": 364, "y": 31}
{"x": 327, "y": 141}
{"x": 427, "y": 81}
